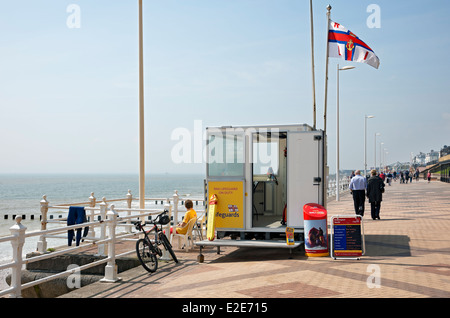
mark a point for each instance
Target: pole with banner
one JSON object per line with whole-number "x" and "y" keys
{"x": 326, "y": 74}
{"x": 312, "y": 64}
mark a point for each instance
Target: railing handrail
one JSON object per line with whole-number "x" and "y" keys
{"x": 109, "y": 218}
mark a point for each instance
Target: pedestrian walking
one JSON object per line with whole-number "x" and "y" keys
{"x": 389, "y": 178}
{"x": 357, "y": 188}
{"x": 429, "y": 176}
{"x": 375, "y": 190}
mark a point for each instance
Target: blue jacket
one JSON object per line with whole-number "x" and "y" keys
{"x": 77, "y": 215}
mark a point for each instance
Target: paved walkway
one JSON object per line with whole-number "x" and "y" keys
{"x": 408, "y": 250}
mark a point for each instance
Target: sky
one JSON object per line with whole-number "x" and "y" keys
{"x": 69, "y": 79}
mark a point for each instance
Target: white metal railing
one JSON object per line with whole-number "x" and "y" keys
{"x": 18, "y": 236}
{"x": 109, "y": 220}
{"x": 343, "y": 186}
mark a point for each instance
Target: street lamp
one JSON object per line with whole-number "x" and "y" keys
{"x": 141, "y": 113}
{"x": 375, "y": 151}
{"x": 385, "y": 158}
{"x": 381, "y": 153}
{"x": 337, "y": 127}
{"x": 365, "y": 143}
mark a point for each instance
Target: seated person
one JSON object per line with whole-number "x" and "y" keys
{"x": 190, "y": 214}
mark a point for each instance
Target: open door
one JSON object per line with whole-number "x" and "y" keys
{"x": 268, "y": 178}
{"x": 305, "y": 178}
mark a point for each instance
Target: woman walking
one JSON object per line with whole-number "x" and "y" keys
{"x": 375, "y": 190}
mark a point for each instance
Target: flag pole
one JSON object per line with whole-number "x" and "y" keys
{"x": 326, "y": 72}
{"x": 312, "y": 64}
{"x": 141, "y": 115}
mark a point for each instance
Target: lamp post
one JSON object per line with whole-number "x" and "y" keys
{"x": 337, "y": 128}
{"x": 385, "y": 158}
{"x": 141, "y": 115}
{"x": 375, "y": 151}
{"x": 381, "y": 154}
{"x": 365, "y": 143}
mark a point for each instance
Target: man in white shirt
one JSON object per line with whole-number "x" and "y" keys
{"x": 357, "y": 187}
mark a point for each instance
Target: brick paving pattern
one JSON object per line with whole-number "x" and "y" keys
{"x": 409, "y": 247}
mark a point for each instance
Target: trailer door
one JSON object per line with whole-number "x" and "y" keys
{"x": 304, "y": 173}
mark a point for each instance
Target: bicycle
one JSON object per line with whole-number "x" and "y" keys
{"x": 147, "y": 251}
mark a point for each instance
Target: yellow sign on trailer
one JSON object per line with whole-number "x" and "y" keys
{"x": 230, "y": 208}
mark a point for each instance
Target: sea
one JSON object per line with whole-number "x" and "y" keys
{"x": 20, "y": 194}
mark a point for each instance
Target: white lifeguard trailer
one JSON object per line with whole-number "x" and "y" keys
{"x": 262, "y": 177}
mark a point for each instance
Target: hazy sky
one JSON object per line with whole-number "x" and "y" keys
{"x": 69, "y": 92}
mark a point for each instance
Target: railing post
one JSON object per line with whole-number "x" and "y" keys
{"x": 111, "y": 267}
{"x": 18, "y": 230}
{"x": 129, "y": 201}
{"x": 42, "y": 242}
{"x": 175, "y": 207}
{"x": 103, "y": 208}
{"x": 92, "y": 201}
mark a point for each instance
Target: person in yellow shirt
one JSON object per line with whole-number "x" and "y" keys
{"x": 190, "y": 214}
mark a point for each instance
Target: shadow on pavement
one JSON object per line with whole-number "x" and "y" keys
{"x": 387, "y": 245}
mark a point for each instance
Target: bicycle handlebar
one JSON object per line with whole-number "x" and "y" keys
{"x": 154, "y": 222}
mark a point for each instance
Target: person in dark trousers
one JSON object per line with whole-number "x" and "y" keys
{"x": 358, "y": 189}
{"x": 375, "y": 190}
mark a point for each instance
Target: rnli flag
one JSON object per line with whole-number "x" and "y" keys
{"x": 342, "y": 43}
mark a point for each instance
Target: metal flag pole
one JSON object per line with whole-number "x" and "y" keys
{"x": 326, "y": 72}
{"x": 337, "y": 135}
{"x": 141, "y": 115}
{"x": 312, "y": 64}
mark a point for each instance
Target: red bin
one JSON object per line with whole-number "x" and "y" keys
{"x": 315, "y": 230}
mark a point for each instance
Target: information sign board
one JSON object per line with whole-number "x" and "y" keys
{"x": 347, "y": 237}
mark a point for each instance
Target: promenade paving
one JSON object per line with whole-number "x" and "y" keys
{"x": 407, "y": 256}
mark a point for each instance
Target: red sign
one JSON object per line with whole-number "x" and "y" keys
{"x": 315, "y": 228}
{"x": 347, "y": 237}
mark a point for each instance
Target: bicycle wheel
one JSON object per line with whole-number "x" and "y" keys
{"x": 168, "y": 246}
{"x": 146, "y": 256}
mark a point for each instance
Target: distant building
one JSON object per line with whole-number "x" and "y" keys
{"x": 419, "y": 160}
{"x": 432, "y": 157}
{"x": 400, "y": 166}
